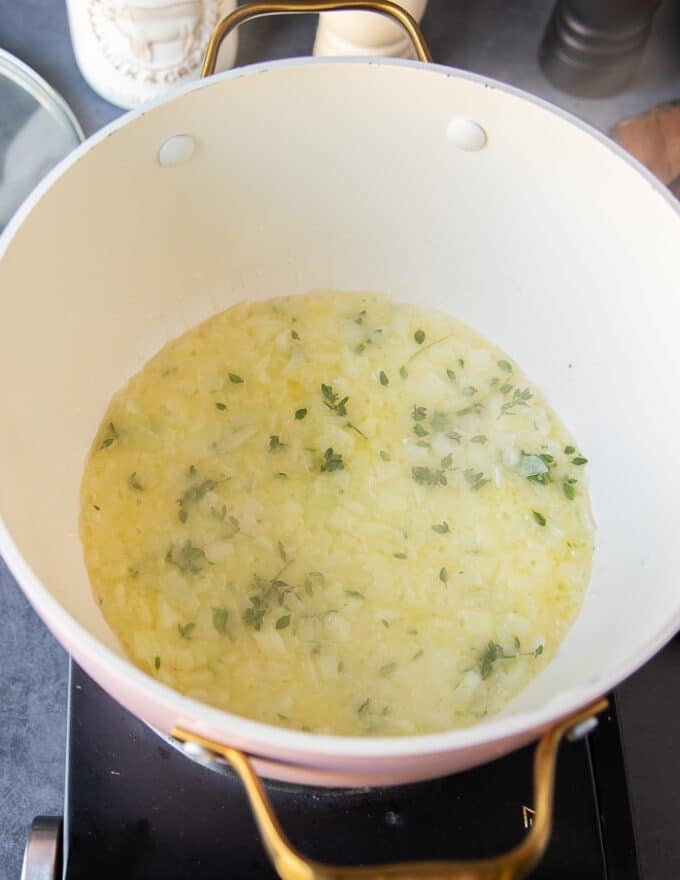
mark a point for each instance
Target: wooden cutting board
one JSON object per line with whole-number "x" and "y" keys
{"x": 653, "y": 137}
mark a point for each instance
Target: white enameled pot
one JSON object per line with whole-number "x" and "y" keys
{"x": 436, "y": 186}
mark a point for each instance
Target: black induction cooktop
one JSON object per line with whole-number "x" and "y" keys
{"x": 138, "y": 808}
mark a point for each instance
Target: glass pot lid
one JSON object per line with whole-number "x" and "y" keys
{"x": 37, "y": 129}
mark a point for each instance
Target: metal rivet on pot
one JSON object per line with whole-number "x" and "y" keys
{"x": 176, "y": 150}
{"x": 466, "y": 134}
{"x": 583, "y": 728}
{"x": 197, "y": 752}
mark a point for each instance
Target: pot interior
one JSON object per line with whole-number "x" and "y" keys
{"x": 342, "y": 175}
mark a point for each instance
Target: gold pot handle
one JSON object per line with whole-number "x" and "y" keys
{"x": 257, "y": 10}
{"x": 514, "y": 864}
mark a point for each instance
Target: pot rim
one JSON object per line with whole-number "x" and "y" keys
{"x": 269, "y": 739}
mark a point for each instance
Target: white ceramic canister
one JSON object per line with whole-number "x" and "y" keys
{"x": 366, "y": 34}
{"x": 131, "y": 52}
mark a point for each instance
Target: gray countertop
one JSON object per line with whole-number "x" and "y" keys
{"x": 491, "y": 37}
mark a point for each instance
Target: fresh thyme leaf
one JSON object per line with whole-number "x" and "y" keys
{"x": 473, "y": 408}
{"x": 384, "y": 455}
{"x": 135, "y": 483}
{"x": 355, "y": 594}
{"x": 267, "y": 593}
{"x": 282, "y": 552}
{"x": 313, "y": 580}
{"x": 194, "y": 494}
{"x": 360, "y": 317}
{"x": 385, "y": 623}
{"x": 419, "y": 336}
{"x": 254, "y": 616}
{"x": 439, "y": 421}
{"x": 235, "y": 378}
{"x": 418, "y": 413}
{"x": 403, "y": 372}
{"x": 543, "y": 478}
{"x": 453, "y": 435}
{"x": 469, "y": 390}
{"x": 505, "y": 389}
{"x": 275, "y": 443}
{"x": 579, "y": 460}
{"x": 400, "y": 555}
{"x": 441, "y": 528}
{"x": 219, "y": 620}
{"x": 443, "y": 575}
{"x": 534, "y": 468}
{"x": 492, "y": 652}
{"x": 479, "y": 438}
{"x": 475, "y": 479}
{"x": 569, "y": 490}
{"x": 294, "y": 334}
{"x": 221, "y": 406}
{"x": 494, "y": 381}
{"x": 428, "y": 477}
{"x": 187, "y": 558}
{"x": 461, "y": 363}
{"x": 281, "y": 475}
{"x": 283, "y": 622}
{"x": 506, "y": 366}
{"x": 113, "y": 436}
{"x": 419, "y": 431}
{"x": 548, "y": 459}
{"x": 447, "y": 461}
{"x": 569, "y": 450}
{"x": 328, "y": 395}
{"x": 332, "y": 401}
{"x": 388, "y": 669}
{"x": 96, "y": 507}
{"x": 540, "y": 519}
{"x": 185, "y": 630}
{"x": 192, "y": 471}
{"x": 235, "y": 525}
{"x": 332, "y": 461}
{"x": 362, "y": 708}
{"x": 417, "y": 655}
{"x": 300, "y": 414}
{"x": 157, "y": 662}
{"x": 519, "y": 398}
{"x": 451, "y": 375}
{"x": 383, "y": 378}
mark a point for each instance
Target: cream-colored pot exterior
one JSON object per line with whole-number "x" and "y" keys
{"x": 341, "y": 174}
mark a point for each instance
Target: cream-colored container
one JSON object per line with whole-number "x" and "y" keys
{"x": 366, "y": 34}
{"x": 131, "y": 53}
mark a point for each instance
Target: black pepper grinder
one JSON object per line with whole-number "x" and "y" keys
{"x": 592, "y": 48}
